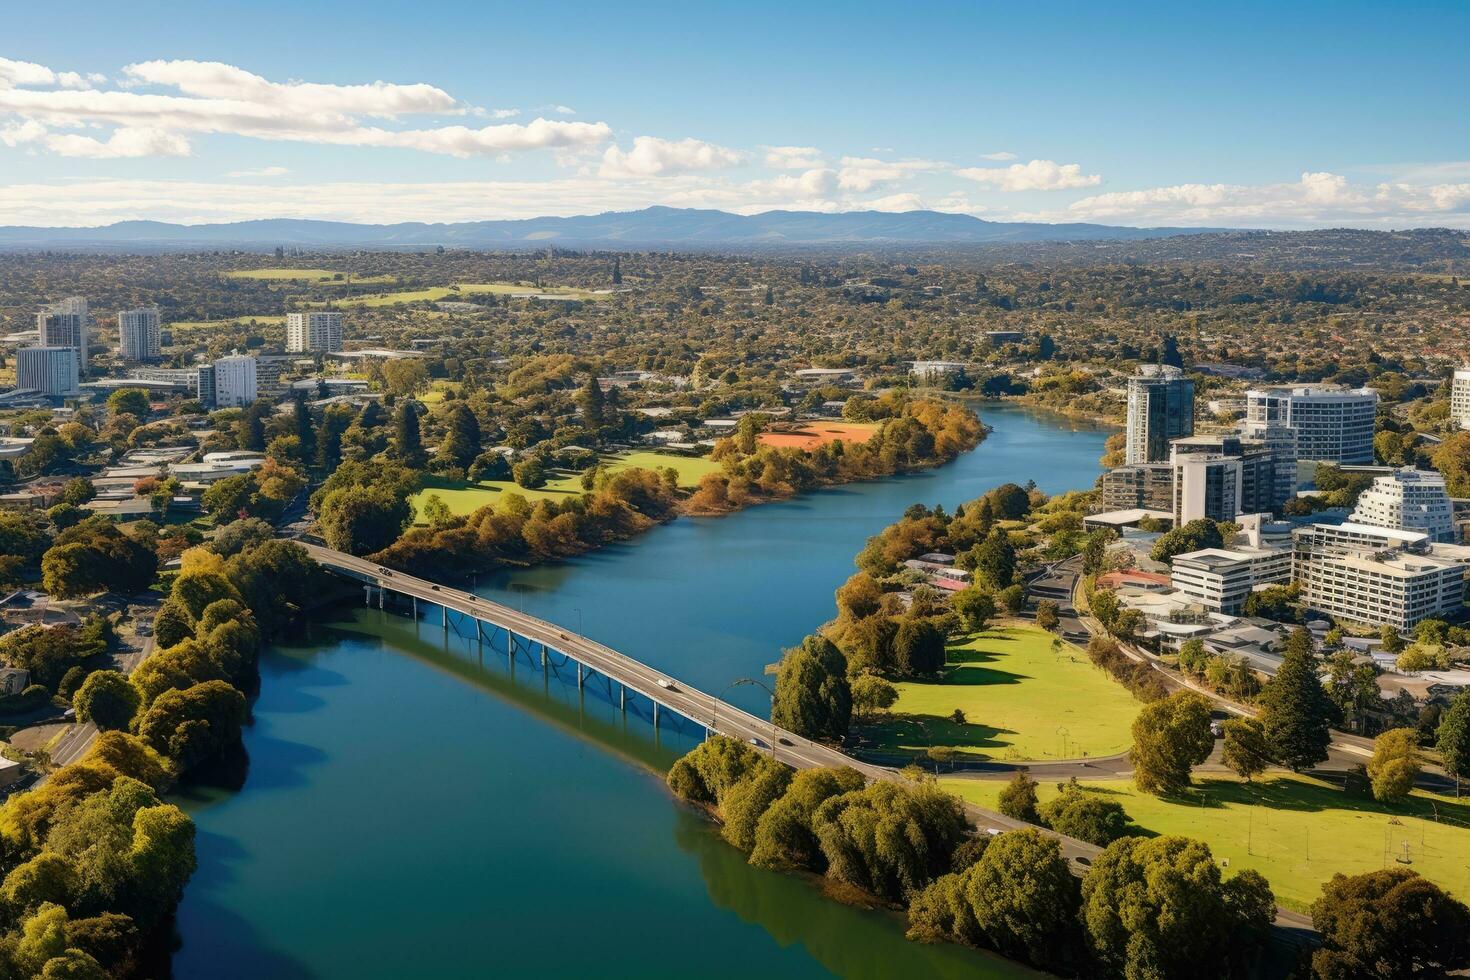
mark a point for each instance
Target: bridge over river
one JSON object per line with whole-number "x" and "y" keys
{"x": 494, "y": 623}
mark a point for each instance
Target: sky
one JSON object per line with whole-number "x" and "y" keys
{"x": 1262, "y": 115}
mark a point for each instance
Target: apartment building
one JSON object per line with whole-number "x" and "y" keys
{"x": 1332, "y": 423}
{"x": 1375, "y": 575}
{"x": 315, "y": 331}
{"x": 1160, "y": 409}
{"x": 1147, "y": 486}
{"x": 234, "y": 381}
{"x": 1221, "y": 579}
{"x": 1409, "y": 499}
{"x": 52, "y": 371}
{"x": 1460, "y": 397}
{"x": 140, "y": 333}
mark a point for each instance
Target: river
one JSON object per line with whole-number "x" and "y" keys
{"x": 415, "y": 807}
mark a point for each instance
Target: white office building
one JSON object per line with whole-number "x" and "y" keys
{"x": 139, "y": 333}
{"x": 1460, "y": 397}
{"x": 1333, "y": 424}
{"x": 1409, "y": 500}
{"x": 1375, "y": 575}
{"x": 1160, "y": 409}
{"x": 318, "y": 331}
{"x": 52, "y": 371}
{"x": 1221, "y": 579}
{"x": 234, "y": 381}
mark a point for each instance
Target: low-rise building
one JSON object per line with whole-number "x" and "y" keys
{"x": 1221, "y": 579}
{"x": 1375, "y": 575}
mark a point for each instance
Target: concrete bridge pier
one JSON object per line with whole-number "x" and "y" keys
{"x": 579, "y": 677}
{"x": 623, "y": 698}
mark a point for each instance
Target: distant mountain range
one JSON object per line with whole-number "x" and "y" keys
{"x": 651, "y": 227}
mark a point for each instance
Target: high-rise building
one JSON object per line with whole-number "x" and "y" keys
{"x": 72, "y": 329}
{"x": 52, "y": 371}
{"x": 1333, "y": 424}
{"x": 234, "y": 381}
{"x": 1460, "y": 397}
{"x": 1374, "y": 575}
{"x": 1408, "y": 500}
{"x": 1160, "y": 409}
{"x": 318, "y": 331}
{"x": 139, "y": 333}
{"x": 1147, "y": 486}
{"x": 1213, "y": 474}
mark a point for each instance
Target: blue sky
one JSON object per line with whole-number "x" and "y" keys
{"x": 1260, "y": 115}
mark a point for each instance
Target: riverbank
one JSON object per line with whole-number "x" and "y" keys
{"x": 489, "y": 812}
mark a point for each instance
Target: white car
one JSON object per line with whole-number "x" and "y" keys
{"x": 665, "y": 683}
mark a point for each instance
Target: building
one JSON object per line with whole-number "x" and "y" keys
{"x": 1206, "y": 486}
{"x": 53, "y": 371}
{"x": 1333, "y": 424}
{"x": 931, "y": 371}
{"x": 1265, "y": 477}
{"x": 1374, "y": 575}
{"x": 1221, "y": 579}
{"x": 1147, "y": 486}
{"x": 315, "y": 331}
{"x": 58, "y": 329}
{"x": 1408, "y": 500}
{"x": 140, "y": 333}
{"x": 1460, "y": 397}
{"x": 200, "y": 380}
{"x": 270, "y": 372}
{"x": 1160, "y": 409}
{"x": 999, "y": 337}
{"x": 234, "y": 381}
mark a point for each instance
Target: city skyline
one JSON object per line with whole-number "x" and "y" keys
{"x": 1000, "y": 113}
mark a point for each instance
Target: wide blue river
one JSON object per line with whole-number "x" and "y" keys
{"x": 415, "y": 806}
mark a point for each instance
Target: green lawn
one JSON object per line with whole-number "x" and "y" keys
{"x": 265, "y": 320}
{"x": 1021, "y": 699}
{"x": 465, "y": 498}
{"x": 326, "y": 277}
{"x": 465, "y": 290}
{"x": 1295, "y": 830}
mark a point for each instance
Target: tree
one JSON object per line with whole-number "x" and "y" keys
{"x": 1453, "y": 738}
{"x": 592, "y": 403}
{"x": 888, "y": 838}
{"x": 1046, "y": 614}
{"x": 1297, "y": 714}
{"x": 1086, "y": 816}
{"x": 1193, "y": 536}
{"x": 229, "y": 498}
{"x": 872, "y": 694}
{"x": 1156, "y": 907}
{"x": 783, "y": 835}
{"x": 1018, "y": 798}
{"x": 1245, "y": 751}
{"x": 993, "y": 560}
{"x": 975, "y": 605}
{"x": 1024, "y": 899}
{"x": 78, "y": 490}
{"x": 405, "y": 377}
{"x": 1452, "y": 459}
{"x": 106, "y": 699}
{"x": 1170, "y": 738}
{"x": 194, "y": 725}
{"x": 362, "y": 520}
{"x": 1193, "y": 658}
{"x": 461, "y": 443}
{"x": 436, "y": 512}
{"x": 918, "y": 647}
{"x": 530, "y": 472}
{"x": 129, "y": 401}
{"x": 408, "y": 444}
{"x": 1395, "y": 764}
{"x": 336, "y": 419}
{"x": 1390, "y": 923}
{"x": 813, "y": 698}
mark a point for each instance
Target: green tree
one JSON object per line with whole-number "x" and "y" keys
{"x": 975, "y": 605}
{"x": 1297, "y": 713}
{"x": 1453, "y": 738}
{"x": 1193, "y": 536}
{"x": 1018, "y": 798}
{"x": 1192, "y": 656}
{"x": 336, "y": 419}
{"x": 107, "y": 700}
{"x": 461, "y": 443}
{"x": 78, "y": 490}
{"x": 1024, "y": 899}
{"x": 229, "y": 498}
{"x": 592, "y": 403}
{"x": 1086, "y": 816}
{"x": 1156, "y": 907}
{"x": 129, "y": 401}
{"x": 783, "y": 835}
{"x": 1046, "y": 614}
{"x": 1390, "y": 923}
{"x": 813, "y": 697}
{"x": 872, "y": 694}
{"x": 1245, "y": 750}
{"x": 408, "y": 444}
{"x": 47, "y": 877}
{"x": 362, "y": 520}
{"x": 890, "y": 839}
{"x": 194, "y": 725}
{"x": 993, "y": 560}
{"x": 918, "y": 647}
{"x": 530, "y": 472}
{"x": 1395, "y": 764}
{"x": 1170, "y": 738}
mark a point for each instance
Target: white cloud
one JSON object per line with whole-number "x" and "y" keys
{"x": 495, "y": 113}
{"x": 560, "y": 110}
{"x": 1001, "y": 155}
{"x": 652, "y": 156}
{"x": 262, "y": 172}
{"x": 221, "y": 98}
{"x": 793, "y": 157}
{"x": 862, "y": 174}
{"x": 1038, "y": 175}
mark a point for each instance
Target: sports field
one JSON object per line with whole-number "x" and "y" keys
{"x": 464, "y": 498}
{"x": 1022, "y": 697}
{"x": 1295, "y": 830}
{"x": 820, "y": 433}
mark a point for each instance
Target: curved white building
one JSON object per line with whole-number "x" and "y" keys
{"x": 1408, "y": 500}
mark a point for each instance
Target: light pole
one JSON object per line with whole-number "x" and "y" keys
{"x": 763, "y": 687}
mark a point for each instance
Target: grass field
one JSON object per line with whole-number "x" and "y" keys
{"x": 465, "y": 498}
{"x": 196, "y": 324}
{"x": 323, "y": 276}
{"x": 434, "y": 294}
{"x": 1021, "y": 700}
{"x": 1295, "y": 830}
{"x": 820, "y": 433}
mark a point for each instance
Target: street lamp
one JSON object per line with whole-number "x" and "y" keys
{"x": 760, "y": 684}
